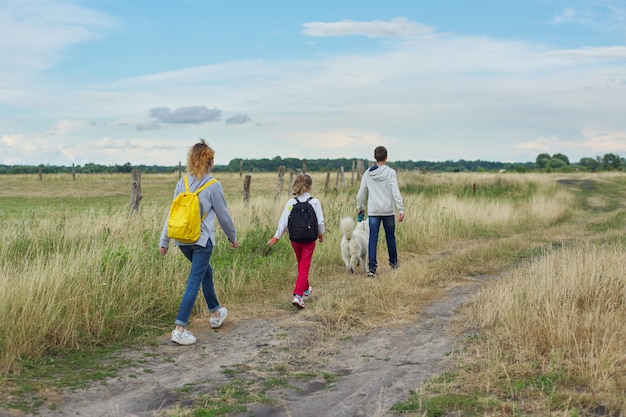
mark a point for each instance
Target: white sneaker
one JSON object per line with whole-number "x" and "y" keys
{"x": 217, "y": 321}
{"x": 183, "y": 338}
{"x": 297, "y": 301}
{"x": 307, "y": 293}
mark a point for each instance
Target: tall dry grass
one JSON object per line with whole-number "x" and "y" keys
{"x": 73, "y": 277}
{"x": 70, "y": 281}
{"x": 556, "y": 322}
{"x": 78, "y": 270}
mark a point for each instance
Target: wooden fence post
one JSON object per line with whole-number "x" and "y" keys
{"x": 135, "y": 189}
{"x": 246, "y": 188}
{"x": 40, "y": 174}
{"x": 291, "y": 181}
{"x": 352, "y": 174}
{"x": 73, "y": 172}
{"x": 327, "y": 183}
{"x": 280, "y": 182}
{"x": 180, "y": 170}
{"x": 304, "y": 166}
{"x": 360, "y": 169}
{"x": 343, "y": 181}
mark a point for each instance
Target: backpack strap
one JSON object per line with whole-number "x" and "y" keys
{"x": 207, "y": 184}
{"x": 307, "y": 200}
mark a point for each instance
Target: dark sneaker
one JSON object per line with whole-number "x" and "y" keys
{"x": 371, "y": 273}
{"x": 395, "y": 266}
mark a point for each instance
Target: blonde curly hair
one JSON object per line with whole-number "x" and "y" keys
{"x": 200, "y": 159}
{"x": 302, "y": 183}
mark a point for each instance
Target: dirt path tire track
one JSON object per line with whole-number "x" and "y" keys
{"x": 382, "y": 367}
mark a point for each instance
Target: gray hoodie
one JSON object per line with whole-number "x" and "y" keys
{"x": 380, "y": 185}
{"x": 212, "y": 201}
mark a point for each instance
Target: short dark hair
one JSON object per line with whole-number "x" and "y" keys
{"x": 380, "y": 153}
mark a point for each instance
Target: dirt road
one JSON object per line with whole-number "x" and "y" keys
{"x": 357, "y": 376}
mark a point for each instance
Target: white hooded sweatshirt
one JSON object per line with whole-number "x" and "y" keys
{"x": 380, "y": 185}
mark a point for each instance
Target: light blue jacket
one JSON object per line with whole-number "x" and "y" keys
{"x": 212, "y": 200}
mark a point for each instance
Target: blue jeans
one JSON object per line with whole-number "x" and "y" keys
{"x": 200, "y": 273}
{"x": 389, "y": 224}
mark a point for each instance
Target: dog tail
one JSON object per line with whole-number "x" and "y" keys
{"x": 347, "y": 227}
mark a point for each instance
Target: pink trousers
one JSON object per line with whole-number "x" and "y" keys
{"x": 304, "y": 254}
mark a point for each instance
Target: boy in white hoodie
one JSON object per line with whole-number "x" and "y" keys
{"x": 380, "y": 185}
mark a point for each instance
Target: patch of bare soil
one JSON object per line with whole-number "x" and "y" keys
{"x": 358, "y": 376}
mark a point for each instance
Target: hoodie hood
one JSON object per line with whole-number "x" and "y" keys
{"x": 379, "y": 173}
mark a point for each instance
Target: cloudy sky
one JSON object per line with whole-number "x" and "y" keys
{"x": 117, "y": 81}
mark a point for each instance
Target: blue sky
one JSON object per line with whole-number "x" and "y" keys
{"x": 117, "y": 81}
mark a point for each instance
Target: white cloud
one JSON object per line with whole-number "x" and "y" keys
{"x": 183, "y": 115}
{"x": 41, "y": 30}
{"x": 10, "y": 141}
{"x": 22, "y": 150}
{"x": 608, "y": 52}
{"x": 604, "y": 141}
{"x": 398, "y": 27}
{"x": 600, "y": 17}
{"x": 65, "y": 127}
{"x": 541, "y": 145}
{"x": 589, "y": 143}
{"x": 566, "y": 16}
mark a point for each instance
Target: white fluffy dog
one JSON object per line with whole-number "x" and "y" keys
{"x": 354, "y": 244}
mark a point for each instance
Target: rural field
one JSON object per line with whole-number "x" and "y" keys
{"x": 510, "y": 300}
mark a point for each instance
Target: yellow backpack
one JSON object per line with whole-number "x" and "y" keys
{"x": 184, "y": 223}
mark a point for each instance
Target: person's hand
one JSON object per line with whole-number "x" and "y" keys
{"x": 361, "y": 216}
{"x": 272, "y": 241}
{"x": 320, "y": 237}
{"x": 234, "y": 244}
{"x": 401, "y": 217}
{"x": 163, "y": 250}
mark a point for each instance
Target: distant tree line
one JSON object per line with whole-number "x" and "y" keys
{"x": 89, "y": 168}
{"x": 558, "y": 161}
{"x": 543, "y": 163}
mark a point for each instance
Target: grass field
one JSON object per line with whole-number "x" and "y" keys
{"x": 81, "y": 273}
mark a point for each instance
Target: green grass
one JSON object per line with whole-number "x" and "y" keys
{"x": 74, "y": 370}
{"x": 441, "y": 405}
{"x": 499, "y": 188}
